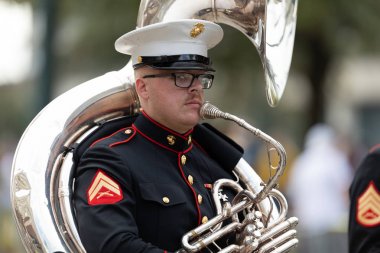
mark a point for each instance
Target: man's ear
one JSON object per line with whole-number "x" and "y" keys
{"x": 141, "y": 88}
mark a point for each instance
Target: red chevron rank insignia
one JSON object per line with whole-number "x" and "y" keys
{"x": 103, "y": 190}
{"x": 368, "y": 207}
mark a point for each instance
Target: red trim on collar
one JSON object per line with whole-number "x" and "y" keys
{"x": 188, "y": 149}
{"x": 183, "y": 136}
{"x": 95, "y": 142}
{"x": 150, "y": 139}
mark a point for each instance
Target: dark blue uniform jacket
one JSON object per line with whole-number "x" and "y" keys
{"x": 143, "y": 187}
{"x": 364, "y": 223}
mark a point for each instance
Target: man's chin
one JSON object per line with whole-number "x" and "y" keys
{"x": 192, "y": 118}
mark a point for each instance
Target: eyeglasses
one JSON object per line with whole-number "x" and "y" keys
{"x": 185, "y": 80}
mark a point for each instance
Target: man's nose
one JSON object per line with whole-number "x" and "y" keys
{"x": 196, "y": 85}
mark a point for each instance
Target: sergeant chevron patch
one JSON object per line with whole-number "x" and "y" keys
{"x": 103, "y": 190}
{"x": 368, "y": 207}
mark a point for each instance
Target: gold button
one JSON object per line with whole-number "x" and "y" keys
{"x": 183, "y": 159}
{"x": 171, "y": 139}
{"x": 191, "y": 179}
{"x": 200, "y": 199}
{"x": 189, "y": 140}
{"x": 204, "y": 219}
{"x": 128, "y": 131}
{"x": 166, "y": 200}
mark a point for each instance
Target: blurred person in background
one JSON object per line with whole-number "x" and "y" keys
{"x": 364, "y": 221}
{"x": 318, "y": 191}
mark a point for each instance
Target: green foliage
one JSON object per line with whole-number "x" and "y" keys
{"x": 340, "y": 23}
{"x": 14, "y": 102}
{"x": 95, "y": 25}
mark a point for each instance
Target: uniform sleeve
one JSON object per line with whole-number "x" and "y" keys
{"x": 105, "y": 204}
{"x": 364, "y": 221}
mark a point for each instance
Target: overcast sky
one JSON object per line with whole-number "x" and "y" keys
{"x": 15, "y": 42}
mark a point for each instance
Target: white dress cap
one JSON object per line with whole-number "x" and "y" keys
{"x": 180, "y": 37}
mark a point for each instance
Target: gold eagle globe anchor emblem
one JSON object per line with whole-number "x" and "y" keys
{"x": 197, "y": 29}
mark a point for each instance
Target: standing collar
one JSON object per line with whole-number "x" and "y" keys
{"x": 161, "y": 135}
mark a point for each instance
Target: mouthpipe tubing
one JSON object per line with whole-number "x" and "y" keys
{"x": 209, "y": 111}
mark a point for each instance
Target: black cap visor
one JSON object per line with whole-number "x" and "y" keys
{"x": 176, "y": 62}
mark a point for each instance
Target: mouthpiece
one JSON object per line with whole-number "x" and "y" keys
{"x": 209, "y": 111}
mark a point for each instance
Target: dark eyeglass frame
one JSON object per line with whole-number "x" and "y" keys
{"x": 174, "y": 75}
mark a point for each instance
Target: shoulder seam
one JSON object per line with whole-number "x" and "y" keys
{"x": 106, "y": 137}
{"x": 123, "y": 141}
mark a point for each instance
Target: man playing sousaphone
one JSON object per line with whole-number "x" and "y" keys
{"x": 143, "y": 187}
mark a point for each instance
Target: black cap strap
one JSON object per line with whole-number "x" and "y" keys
{"x": 162, "y": 59}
